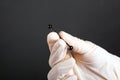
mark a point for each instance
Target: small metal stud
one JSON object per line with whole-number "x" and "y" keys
{"x": 50, "y": 27}
{"x": 70, "y": 47}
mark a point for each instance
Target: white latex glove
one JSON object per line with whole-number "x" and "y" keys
{"x": 86, "y": 61}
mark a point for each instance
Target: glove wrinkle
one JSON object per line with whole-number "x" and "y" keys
{"x": 61, "y": 69}
{"x": 58, "y": 53}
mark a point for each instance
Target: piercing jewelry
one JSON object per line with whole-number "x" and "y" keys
{"x": 51, "y": 28}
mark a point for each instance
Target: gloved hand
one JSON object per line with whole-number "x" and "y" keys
{"x": 86, "y": 61}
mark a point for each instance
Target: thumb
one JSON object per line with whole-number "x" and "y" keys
{"x": 79, "y": 46}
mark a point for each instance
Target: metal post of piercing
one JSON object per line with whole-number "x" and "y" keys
{"x": 51, "y": 28}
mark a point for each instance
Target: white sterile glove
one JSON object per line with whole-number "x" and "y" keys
{"x": 86, "y": 61}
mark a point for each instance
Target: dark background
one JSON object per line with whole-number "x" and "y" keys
{"x": 23, "y": 29}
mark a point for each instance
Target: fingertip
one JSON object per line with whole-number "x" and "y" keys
{"x": 65, "y": 35}
{"x": 61, "y": 33}
{"x": 52, "y": 36}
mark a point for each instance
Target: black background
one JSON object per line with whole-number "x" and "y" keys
{"x": 23, "y": 29}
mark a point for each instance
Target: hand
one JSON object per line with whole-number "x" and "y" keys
{"x": 86, "y": 61}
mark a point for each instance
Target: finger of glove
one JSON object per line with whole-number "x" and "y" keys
{"x": 61, "y": 69}
{"x": 79, "y": 45}
{"x": 52, "y": 37}
{"x": 58, "y": 52}
{"x": 93, "y": 54}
